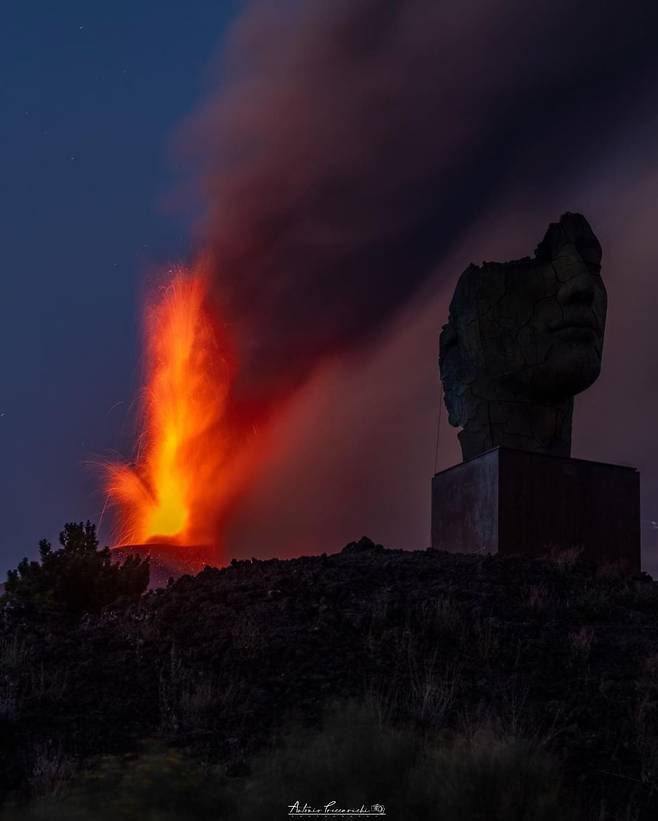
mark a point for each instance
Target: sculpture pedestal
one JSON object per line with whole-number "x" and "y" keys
{"x": 514, "y": 502}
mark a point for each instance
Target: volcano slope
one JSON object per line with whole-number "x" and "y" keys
{"x": 218, "y": 665}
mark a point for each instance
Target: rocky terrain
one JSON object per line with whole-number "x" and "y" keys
{"x": 218, "y": 664}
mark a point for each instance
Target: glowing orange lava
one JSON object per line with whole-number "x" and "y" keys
{"x": 190, "y": 463}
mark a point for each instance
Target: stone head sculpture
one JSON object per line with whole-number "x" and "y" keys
{"x": 522, "y": 338}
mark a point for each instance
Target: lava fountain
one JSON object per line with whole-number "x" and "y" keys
{"x": 192, "y": 460}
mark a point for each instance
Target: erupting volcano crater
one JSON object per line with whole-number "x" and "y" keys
{"x": 195, "y": 455}
{"x": 170, "y": 560}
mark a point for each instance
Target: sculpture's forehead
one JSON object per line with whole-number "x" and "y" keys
{"x": 500, "y": 298}
{"x": 496, "y": 287}
{"x": 516, "y": 283}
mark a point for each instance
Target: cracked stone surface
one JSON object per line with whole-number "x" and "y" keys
{"x": 522, "y": 339}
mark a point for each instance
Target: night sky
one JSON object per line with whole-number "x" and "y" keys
{"x": 92, "y": 95}
{"x": 413, "y": 141}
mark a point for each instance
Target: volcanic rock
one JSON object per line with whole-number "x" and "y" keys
{"x": 218, "y": 663}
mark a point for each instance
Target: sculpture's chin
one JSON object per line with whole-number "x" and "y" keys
{"x": 570, "y": 368}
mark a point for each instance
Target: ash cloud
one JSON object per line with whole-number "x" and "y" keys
{"x": 353, "y": 143}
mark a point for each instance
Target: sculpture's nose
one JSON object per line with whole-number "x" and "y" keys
{"x": 579, "y": 290}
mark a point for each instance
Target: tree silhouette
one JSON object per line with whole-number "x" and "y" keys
{"x": 77, "y": 578}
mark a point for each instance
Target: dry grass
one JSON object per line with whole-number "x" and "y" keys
{"x": 51, "y": 769}
{"x": 580, "y": 643}
{"x": 537, "y": 599}
{"x": 190, "y": 698}
{"x": 564, "y": 558}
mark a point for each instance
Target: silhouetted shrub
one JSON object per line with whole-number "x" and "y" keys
{"x": 356, "y": 760}
{"x": 159, "y": 785}
{"x": 77, "y": 578}
{"x": 488, "y": 776}
{"x": 353, "y": 760}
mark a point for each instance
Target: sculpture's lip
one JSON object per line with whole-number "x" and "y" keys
{"x": 574, "y": 324}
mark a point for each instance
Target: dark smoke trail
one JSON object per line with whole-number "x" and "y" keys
{"x": 354, "y": 141}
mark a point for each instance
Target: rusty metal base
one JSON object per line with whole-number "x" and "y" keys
{"x": 514, "y": 502}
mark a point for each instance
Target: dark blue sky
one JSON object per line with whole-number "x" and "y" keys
{"x": 91, "y": 95}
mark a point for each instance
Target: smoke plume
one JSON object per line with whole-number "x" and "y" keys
{"x": 353, "y": 143}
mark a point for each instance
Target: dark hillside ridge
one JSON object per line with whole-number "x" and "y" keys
{"x": 217, "y": 664}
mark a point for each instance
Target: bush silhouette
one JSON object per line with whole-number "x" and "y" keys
{"x": 356, "y": 759}
{"x": 158, "y": 785}
{"x": 353, "y": 760}
{"x": 77, "y": 578}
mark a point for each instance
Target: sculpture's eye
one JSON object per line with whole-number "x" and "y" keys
{"x": 448, "y": 337}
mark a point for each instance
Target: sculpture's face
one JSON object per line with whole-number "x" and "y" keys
{"x": 523, "y": 338}
{"x": 533, "y": 329}
{"x": 542, "y": 336}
